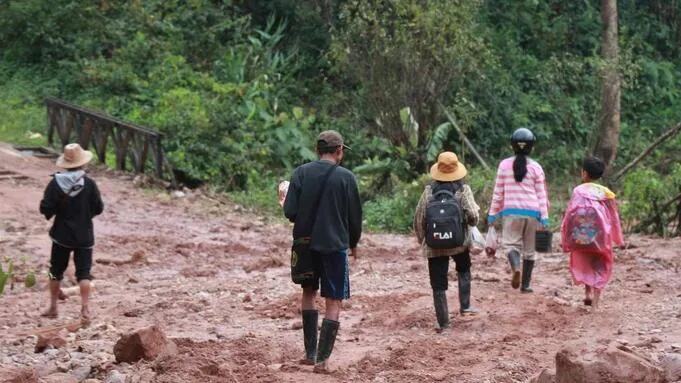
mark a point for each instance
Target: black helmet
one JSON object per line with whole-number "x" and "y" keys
{"x": 523, "y": 140}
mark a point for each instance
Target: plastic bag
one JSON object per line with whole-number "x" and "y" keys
{"x": 491, "y": 241}
{"x": 283, "y": 190}
{"x": 477, "y": 241}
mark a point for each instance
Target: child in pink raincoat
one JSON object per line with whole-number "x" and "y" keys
{"x": 590, "y": 228}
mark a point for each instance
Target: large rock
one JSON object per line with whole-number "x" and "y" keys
{"x": 49, "y": 340}
{"x": 18, "y": 375}
{"x": 671, "y": 364}
{"x": 545, "y": 376}
{"x": 612, "y": 364}
{"x": 147, "y": 343}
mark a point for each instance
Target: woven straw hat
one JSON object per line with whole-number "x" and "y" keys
{"x": 74, "y": 157}
{"x": 448, "y": 168}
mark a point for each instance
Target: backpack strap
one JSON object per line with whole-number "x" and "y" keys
{"x": 451, "y": 187}
{"x": 444, "y": 192}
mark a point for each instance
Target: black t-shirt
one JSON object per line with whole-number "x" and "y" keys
{"x": 338, "y": 224}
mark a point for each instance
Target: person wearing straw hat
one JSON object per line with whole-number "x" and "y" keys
{"x": 451, "y": 197}
{"x": 73, "y": 199}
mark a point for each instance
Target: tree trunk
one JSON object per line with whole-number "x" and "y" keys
{"x": 609, "y": 126}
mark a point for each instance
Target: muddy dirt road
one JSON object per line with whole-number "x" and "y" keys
{"x": 215, "y": 279}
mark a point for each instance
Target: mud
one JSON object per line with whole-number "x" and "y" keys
{"x": 215, "y": 278}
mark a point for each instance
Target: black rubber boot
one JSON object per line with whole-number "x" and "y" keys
{"x": 441, "y": 309}
{"x": 327, "y": 337}
{"x": 514, "y": 261}
{"x": 310, "y": 321}
{"x": 465, "y": 307}
{"x": 527, "y": 275}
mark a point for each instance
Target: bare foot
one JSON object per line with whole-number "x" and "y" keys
{"x": 51, "y": 313}
{"x": 597, "y": 298}
{"x": 85, "y": 317}
{"x": 322, "y": 368}
{"x": 588, "y": 299}
{"x": 306, "y": 362}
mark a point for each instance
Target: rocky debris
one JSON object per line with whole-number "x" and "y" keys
{"x": 611, "y": 364}
{"x": 18, "y": 375}
{"x": 115, "y": 377}
{"x": 59, "y": 377}
{"x": 545, "y": 376}
{"x": 81, "y": 373}
{"x": 46, "y": 341}
{"x": 671, "y": 364}
{"x": 147, "y": 343}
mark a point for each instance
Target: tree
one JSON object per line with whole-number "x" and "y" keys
{"x": 403, "y": 57}
{"x": 609, "y": 124}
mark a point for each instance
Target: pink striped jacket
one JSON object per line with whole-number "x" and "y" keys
{"x": 526, "y": 199}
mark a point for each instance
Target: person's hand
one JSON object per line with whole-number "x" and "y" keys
{"x": 354, "y": 253}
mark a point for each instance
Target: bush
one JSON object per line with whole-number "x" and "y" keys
{"x": 645, "y": 193}
{"x": 394, "y": 213}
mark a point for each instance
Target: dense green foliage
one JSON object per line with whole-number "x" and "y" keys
{"x": 241, "y": 87}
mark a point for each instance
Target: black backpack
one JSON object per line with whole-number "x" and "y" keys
{"x": 444, "y": 219}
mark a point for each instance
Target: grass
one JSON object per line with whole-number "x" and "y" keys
{"x": 23, "y": 118}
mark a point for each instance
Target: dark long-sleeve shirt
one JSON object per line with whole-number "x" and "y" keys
{"x": 73, "y": 215}
{"x": 338, "y": 224}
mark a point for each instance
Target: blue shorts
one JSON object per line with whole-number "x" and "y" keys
{"x": 333, "y": 273}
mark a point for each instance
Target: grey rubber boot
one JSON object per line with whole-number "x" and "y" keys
{"x": 441, "y": 309}
{"x": 327, "y": 338}
{"x": 310, "y": 321}
{"x": 465, "y": 307}
{"x": 514, "y": 261}
{"x": 527, "y": 275}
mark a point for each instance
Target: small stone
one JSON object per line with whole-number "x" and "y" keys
{"x": 177, "y": 194}
{"x": 46, "y": 368}
{"x": 18, "y": 375}
{"x": 51, "y": 353}
{"x": 81, "y": 373}
{"x": 115, "y": 377}
{"x": 49, "y": 340}
{"x": 297, "y": 325}
{"x": 59, "y": 377}
{"x": 275, "y": 367}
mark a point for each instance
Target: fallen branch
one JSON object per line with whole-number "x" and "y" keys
{"x": 656, "y": 214}
{"x": 463, "y": 137}
{"x": 667, "y": 135}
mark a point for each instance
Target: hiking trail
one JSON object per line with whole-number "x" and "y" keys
{"x": 215, "y": 278}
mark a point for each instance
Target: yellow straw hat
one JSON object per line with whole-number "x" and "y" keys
{"x": 448, "y": 168}
{"x": 74, "y": 157}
